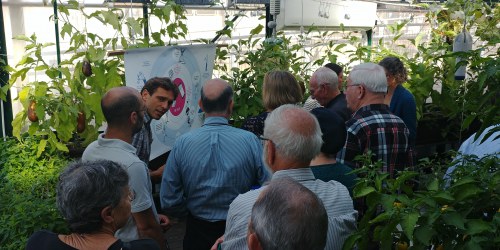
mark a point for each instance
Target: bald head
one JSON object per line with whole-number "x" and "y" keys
{"x": 118, "y": 103}
{"x": 216, "y": 97}
{"x": 295, "y": 133}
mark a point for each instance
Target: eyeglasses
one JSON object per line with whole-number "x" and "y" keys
{"x": 262, "y": 138}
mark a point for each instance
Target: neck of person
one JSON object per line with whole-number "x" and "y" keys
{"x": 323, "y": 159}
{"x": 283, "y": 164}
{"x": 225, "y": 115}
{"x": 98, "y": 240}
{"x": 373, "y": 98}
{"x": 123, "y": 134}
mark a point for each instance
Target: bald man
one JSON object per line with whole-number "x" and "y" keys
{"x": 208, "y": 167}
{"x": 124, "y": 110}
{"x": 293, "y": 139}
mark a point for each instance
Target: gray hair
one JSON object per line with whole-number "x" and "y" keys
{"x": 371, "y": 75}
{"x": 295, "y": 133}
{"x": 85, "y": 188}
{"x": 327, "y": 76}
{"x": 287, "y": 215}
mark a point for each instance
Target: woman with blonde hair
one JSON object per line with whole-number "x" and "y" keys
{"x": 279, "y": 88}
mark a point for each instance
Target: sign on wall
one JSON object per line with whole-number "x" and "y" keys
{"x": 189, "y": 67}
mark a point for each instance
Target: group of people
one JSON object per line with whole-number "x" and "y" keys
{"x": 281, "y": 182}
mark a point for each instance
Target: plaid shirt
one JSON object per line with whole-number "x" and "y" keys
{"x": 374, "y": 127}
{"x": 142, "y": 140}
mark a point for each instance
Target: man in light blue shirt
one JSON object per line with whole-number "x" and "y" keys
{"x": 208, "y": 167}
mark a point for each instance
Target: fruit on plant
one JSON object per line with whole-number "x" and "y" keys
{"x": 402, "y": 245}
{"x": 80, "y": 125}
{"x": 86, "y": 68}
{"x": 31, "y": 112}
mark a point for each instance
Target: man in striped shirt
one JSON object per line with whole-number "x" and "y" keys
{"x": 373, "y": 127}
{"x": 292, "y": 139}
{"x": 208, "y": 167}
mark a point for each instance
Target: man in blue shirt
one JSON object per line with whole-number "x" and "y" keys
{"x": 208, "y": 167}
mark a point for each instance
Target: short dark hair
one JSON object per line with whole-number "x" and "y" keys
{"x": 219, "y": 104}
{"x": 117, "y": 111}
{"x": 160, "y": 82}
{"x": 335, "y": 67}
{"x": 85, "y": 188}
{"x": 396, "y": 68}
{"x": 287, "y": 215}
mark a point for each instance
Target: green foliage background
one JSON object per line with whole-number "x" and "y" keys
{"x": 27, "y": 191}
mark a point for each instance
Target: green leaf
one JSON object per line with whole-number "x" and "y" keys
{"x": 433, "y": 185}
{"x": 22, "y": 38}
{"x": 454, "y": 219}
{"x": 408, "y": 224}
{"x": 424, "y": 234}
{"x": 363, "y": 191}
{"x": 381, "y": 217}
{"x": 41, "y": 147}
{"x": 257, "y": 30}
{"x": 477, "y": 226}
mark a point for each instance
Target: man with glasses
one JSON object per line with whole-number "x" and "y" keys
{"x": 124, "y": 111}
{"x": 324, "y": 87}
{"x": 292, "y": 139}
{"x": 373, "y": 127}
{"x": 208, "y": 167}
{"x": 158, "y": 94}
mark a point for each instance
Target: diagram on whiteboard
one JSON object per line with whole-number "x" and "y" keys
{"x": 189, "y": 67}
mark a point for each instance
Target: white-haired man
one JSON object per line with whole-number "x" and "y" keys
{"x": 373, "y": 127}
{"x": 292, "y": 139}
{"x": 324, "y": 87}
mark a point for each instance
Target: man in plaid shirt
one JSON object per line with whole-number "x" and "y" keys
{"x": 372, "y": 126}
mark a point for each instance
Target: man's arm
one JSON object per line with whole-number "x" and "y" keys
{"x": 172, "y": 191}
{"x": 156, "y": 174}
{"x": 148, "y": 226}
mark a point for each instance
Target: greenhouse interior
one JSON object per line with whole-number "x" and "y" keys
{"x": 250, "y": 124}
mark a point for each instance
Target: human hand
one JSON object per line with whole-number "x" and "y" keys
{"x": 217, "y": 242}
{"x": 164, "y": 222}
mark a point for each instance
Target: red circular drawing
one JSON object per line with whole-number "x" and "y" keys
{"x": 177, "y": 108}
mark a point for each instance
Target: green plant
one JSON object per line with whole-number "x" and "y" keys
{"x": 75, "y": 86}
{"x": 419, "y": 210}
{"x": 27, "y": 191}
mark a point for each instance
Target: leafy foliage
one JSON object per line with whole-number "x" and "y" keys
{"x": 420, "y": 209}
{"x": 27, "y": 191}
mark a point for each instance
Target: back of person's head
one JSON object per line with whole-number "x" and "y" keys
{"x": 160, "y": 82}
{"x": 280, "y": 87}
{"x": 371, "y": 75}
{"x": 333, "y": 128}
{"x": 294, "y": 132}
{"x": 288, "y": 216}
{"x": 118, "y": 103}
{"x": 395, "y": 67}
{"x": 85, "y": 189}
{"x": 218, "y": 98}
{"x": 335, "y": 67}
{"x": 324, "y": 75}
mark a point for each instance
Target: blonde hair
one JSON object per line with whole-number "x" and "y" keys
{"x": 279, "y": 88}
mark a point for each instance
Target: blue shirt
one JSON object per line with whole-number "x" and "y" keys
{"x": 208, "y": 167}
{"x": 403, "y": 105}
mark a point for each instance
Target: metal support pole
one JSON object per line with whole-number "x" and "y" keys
{"x": 269, "y": 17}
{"x": 369, "y": 37}
{"x": 5, "y": 106}
{"x": 56, "y": 27}
{"x": 146, "y": 21}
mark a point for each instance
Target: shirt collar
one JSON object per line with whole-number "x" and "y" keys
{"x": 298, "y": 174}
{"x": 216, "y": 120}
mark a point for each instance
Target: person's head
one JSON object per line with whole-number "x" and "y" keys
{"x": 294, "y": 138}
{"x": 323, "y": 85}
{"x": 123, "y": 108}
{"x": 395, "y": 71}
{"x": 366, "y": 84}
{"x": 340, "y": 73}
{"x": 280, "y": 87}
{"x": 333, "y": 128}
{"x": 158, "y": 94}
{"x": 95, "y": 195}
{"x": 217, "y": 98}
{"x": 286, "y": 216}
